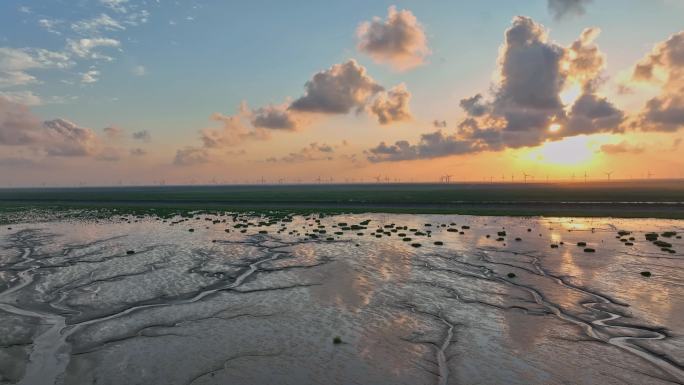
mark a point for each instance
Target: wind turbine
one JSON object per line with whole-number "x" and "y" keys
{"x": 318, "y": 180}
{"x": 377, "y": 178}
{"x": 649, "y": 175}
{"x": 585, "y": 177}
{"x": 447, "y": 178}
{"x": 525, "y": 176}
{"x": 608, "y": 174}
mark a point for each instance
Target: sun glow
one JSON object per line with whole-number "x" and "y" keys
{"x": 555, "y": 127}
{"x": 572, "y": 151}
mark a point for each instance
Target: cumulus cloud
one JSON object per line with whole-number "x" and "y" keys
{"x": 142, "y": 135}
{"x": 392, "y": 106}
{"x": 399, "y": 40}
{"x": 275, "y": 117}
{"x": 473, "y": 105}
{"x": 234, "y": 129}
{"x": 527, "y": 100}
{"x": 623, "y": 147}
{"x": 534, "y": 73}
{"x": 190, "y": 156}
{"x": 313, "y": 152}
{"x": 65, "y": 138}
{"x": 664, "y": 66}
{"x": 337, "y": 90}
{"x": 57, "y": 137}
{"x": 432, "y": 145}
{"x": 562, "y": 8}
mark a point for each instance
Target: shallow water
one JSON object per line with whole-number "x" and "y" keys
{"x": 217, "y": 307}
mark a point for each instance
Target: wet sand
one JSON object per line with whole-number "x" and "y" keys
{"x": 252, "y": 300}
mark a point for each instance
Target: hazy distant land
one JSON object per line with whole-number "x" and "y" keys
{"x": 626, "y": 199}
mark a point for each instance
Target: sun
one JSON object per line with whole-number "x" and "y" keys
{"x": 555, "y": 127}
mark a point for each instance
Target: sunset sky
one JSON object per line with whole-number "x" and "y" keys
{"x": 107, "y": 92}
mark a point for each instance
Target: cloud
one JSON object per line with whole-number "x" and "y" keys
{"x": 85, "y": 48}
{"x": 190, "y": 156}
{"x": 57, "y": 137}
{"x": 399, "y": 41}
{"x": 90, "y": 76}
{"x": 275, "y": 117}
{"x": 97, "y": 25}
{"x": 15, "y": 62}
{"x": 138, "y": 152}
{"x": 591, "y": 114}
{"x": 337, "y": 90}
{"x": 392, "y": 106}
{"x": 527, "y": 99}
{"x": 115, "y": 5}
{"x": 432, "y": 145}
{"x": 473, "y": 105}
{"x": 26, "y": 98}
{"x": 439, "y": 123}
{"x": 534, "y": 74}
{"x": 314, "y": 152}
{"x": 234, "y": 130}
{"x": 563, "y": 8}
{"x": 664, "y": 66}
{"x": 113, "y": 132}
{"x": 50, "y": 25}
{"x": 142, "y": 135}
{"x": 139, "y": 70}
{"x": 65, "y": 138}
{"x": 622, "y": 148}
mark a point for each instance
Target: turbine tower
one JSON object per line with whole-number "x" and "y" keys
{"x": 608, "y": 174}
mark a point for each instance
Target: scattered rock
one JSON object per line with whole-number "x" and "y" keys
{"x": 510, "y": 275}
{"x": 589, "y": 250}
{"x": 646, "y": 273}
{"x": 337, "y": 340}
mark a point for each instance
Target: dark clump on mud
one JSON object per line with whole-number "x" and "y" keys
{"x": 510, "y": 275}
{"x": 337, "y": 340}
{"x": 646, "y": 273}
{"x": 589, "y": 250}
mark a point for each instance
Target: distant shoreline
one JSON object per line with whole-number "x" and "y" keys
{"x": 653, "y": 199}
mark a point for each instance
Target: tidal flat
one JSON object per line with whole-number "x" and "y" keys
{"x": 235, "y": 298}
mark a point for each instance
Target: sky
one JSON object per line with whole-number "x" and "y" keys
{"x": 138, "y": 92}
